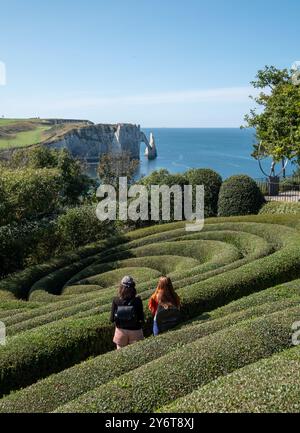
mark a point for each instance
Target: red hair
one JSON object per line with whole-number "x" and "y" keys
{"x": 164, "y": 295}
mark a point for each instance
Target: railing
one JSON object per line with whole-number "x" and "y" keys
{"x": 275, "y": 189}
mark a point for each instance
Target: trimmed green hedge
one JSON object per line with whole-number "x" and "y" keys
{"x": 239, "y": 195}
{"x": 19, "y": 284}
{"x": 279, "y": 207}
{"x": 79, "y": 290}
{"x": 212, "y": 182}
{"x": 202, "y": 296}
{"x": 176, "y": 374}
{"x": 48, "y": 393}
{"x": 268, "y": 386}
{"x": 72, "y": 307}
{"x": 32, "y": 355}
{"x": 199, "y": 297}
{"x": 265, "y": 272}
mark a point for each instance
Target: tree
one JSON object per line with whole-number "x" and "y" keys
{"x": 75, "y": 183}
{"x": 277, "y": 117}
{"x": 112, "y": 166}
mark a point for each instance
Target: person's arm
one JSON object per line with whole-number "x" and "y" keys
{"x": 113, "y": 310}
{"x": 140, "y": 310}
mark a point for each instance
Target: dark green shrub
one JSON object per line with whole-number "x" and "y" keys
{"x": 212, "y": 182}
{"x": 74, "y": 182}
{"x": 30, "y": 193}
{"x": 20, "y": 283}
{"x": 79, "y": 226}
{"x": 239, "y": 195}
{"x": 26, "y": 243}
{"x": 163, "y": 177}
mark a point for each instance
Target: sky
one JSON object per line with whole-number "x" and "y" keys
{"x": 158, "y": 63}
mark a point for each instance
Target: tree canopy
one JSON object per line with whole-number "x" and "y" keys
{"x": 276, "y": 118}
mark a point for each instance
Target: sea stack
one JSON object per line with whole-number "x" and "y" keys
{"x": 150, "y": 151}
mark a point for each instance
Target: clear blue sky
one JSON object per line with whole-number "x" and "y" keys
{"x": 154, "y": 62}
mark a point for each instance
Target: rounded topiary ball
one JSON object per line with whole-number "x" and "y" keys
{"x": 212, "y": 182}
{"x": 239, "y": 195}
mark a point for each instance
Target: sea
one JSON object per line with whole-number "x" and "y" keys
{"x": 225, "y": 150}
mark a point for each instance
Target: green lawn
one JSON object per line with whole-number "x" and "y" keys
{"x": 25, "y": 138}
{"x": 4, "y": 122}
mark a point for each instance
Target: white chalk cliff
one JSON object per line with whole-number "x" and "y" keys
{"x": 91, "y": 141}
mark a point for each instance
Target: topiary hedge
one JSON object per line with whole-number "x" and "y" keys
{"x": 72, "y": 307}
{"x": 270, "y": 385}
{"x": 35, "y": 354}
{"x": 212, "y": 182}
{"x": 239, "y": 195}
{"x": 197, "y": 363}
{"x": 202, "y": 296}
{"x": 49, "y": 393}
{"x": 19, "y": 284}
{"x": 279, "y": 207}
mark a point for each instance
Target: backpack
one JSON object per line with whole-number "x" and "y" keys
{"x": 125, "y": 316}
{"x": 167, "y": 318}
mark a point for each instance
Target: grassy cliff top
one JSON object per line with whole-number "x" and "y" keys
{"x": 27, "y": 132}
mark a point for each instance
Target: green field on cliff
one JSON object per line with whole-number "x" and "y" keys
{"x": 22, "y": 132}
{"x": 27, "y": 132}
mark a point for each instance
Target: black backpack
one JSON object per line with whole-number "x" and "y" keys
{"x": 125, "y": 316}
{"x": 167, "y": 318}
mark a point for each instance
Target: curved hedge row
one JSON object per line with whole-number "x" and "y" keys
{"x": 47, "y": 394}
{"x": 178, "y": 373}
{"x": 270, "y": 385}
{"x": 32, "y": 355}
{"x": 55, "y": 312}
{"x": 19, "y": 284}
{"x": 279, "y": 207}
{"x": 232, "y": 258}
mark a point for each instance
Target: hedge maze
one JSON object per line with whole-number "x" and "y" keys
{"x": 239, "y": 282}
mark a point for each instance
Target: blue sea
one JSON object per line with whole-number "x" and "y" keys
{"x": 225, "y": 150}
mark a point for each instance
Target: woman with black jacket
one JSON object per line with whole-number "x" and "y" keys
{"x": 128, "y": 314}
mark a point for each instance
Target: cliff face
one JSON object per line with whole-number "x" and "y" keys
{"x": 90, "y": 142}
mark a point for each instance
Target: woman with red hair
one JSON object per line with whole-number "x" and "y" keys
{"x": 164, "y": 305}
